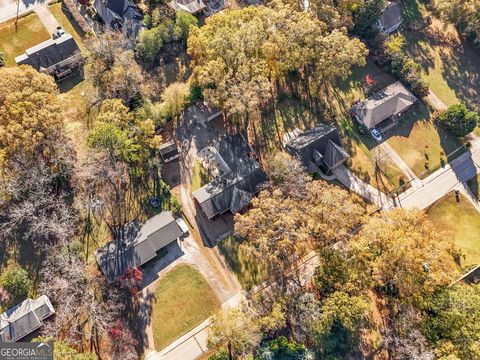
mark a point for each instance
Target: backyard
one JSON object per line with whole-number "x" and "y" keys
{"x": 450, "y": 66}
{"x": 199, "y": 176}
{"x": 183, "y": 299}
{"x": 30, "y": 31}
{"x": 422, "y": 144}
{"x": 460, "y": 220}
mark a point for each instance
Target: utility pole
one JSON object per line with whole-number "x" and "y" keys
{"x": 18, "y": 10}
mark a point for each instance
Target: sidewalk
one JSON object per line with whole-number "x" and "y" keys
{"x": 8, "y": 8}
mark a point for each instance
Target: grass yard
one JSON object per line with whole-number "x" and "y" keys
{"x": 69, "y": 26}
{"x": 419, "y": 142}
{"x": 183, "y": 299}
{"x": 199, "y": 176}
{"x": 13, "y": 43}
{"x": 451, "y": 66}
{"x": 248, "y": 270}
{"x": 462, "y": 221}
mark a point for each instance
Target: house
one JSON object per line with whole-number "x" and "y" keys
{"x": 169, "y": 151}
{"x": 392, "y": 101}
{"x": 59, "y": 57}
{"x": 138, "y": 245}
{"x": 120, "y": 14}
{"x": 318, "y": 148}
{"x": 24, "y": 318}
{"x": 241, "y": 177}
{"x": 391, "y": 18}
{"x": 194, "y": 7}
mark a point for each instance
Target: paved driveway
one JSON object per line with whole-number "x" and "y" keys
{"x": 8, "y": 8}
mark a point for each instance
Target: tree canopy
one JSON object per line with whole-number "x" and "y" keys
{"x": 459, "y": 120}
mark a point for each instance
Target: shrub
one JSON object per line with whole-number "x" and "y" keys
{"x": 15, "y": 281}
{"x": 458, "y": 120}
{"x": 2, "y": 59}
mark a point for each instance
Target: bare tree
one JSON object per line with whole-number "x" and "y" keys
{"x": 85, "y": 307}
{"x": 34, "y": 204}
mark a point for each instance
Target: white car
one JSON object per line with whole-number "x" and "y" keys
{"x": 182, "y": 225}
{"x": 376, "y": 135}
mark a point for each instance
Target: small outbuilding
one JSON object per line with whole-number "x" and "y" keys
{"x": 318, "y": 148}
{"x": 391, "y": 18}
{"x": 24, "y": 318}
{"x": 391, "y": 102}
{"x": 138, "y": 245}
{"x": 169, "y": 151}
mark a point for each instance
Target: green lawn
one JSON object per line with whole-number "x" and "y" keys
{"x": 13, "y": 43}
{"x": 69, "y": 26}
{"x": 199, "y": 176}
{"x": 450, "y": 65}
{"x": 183, "y": 299}
{"x": 248, "y": 270}
{"x": 462, "y": 221}
{"x": 419, "y": 141}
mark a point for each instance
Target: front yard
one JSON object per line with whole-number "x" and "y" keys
{"x": 460, "y": 220}
{"x": 183, "y": 299}
{"x": 30, "y": 31}
{"x": 422, "y": 144}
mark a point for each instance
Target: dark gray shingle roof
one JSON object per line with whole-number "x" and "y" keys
{"x": 139, "y": 246}
{"x": 234, "y": 189}
{"x": 319, "y": 145}
{"x": 120, "y": 13}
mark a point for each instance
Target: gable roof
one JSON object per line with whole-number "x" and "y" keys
{"x": 24, "y": 318}
{"x": 392, "y": 100}
{"x": 139, "y": 245}
{"x": 391, "y": 16}
{"x": 317, "y": 146}
{"x": 191, "y": 6}
{"x": 120, "y": 13}
{"x": 234, "y": 189}
{"x": 49, "y": 53}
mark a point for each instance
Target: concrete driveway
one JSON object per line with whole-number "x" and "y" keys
{"x": 8, "y": 8}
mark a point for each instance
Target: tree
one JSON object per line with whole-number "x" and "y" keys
{"x": 239, "y": 55}
{"x": 366, "y": 15}
{"x": 174, "y": 99}
{"x": 183, "y": 21}
{"x": 149, "y": 43}
{"x": 458, "y": 120}
{"x": 342, "y": 316}
{"x": 63, "y": 350}
{"x": 406, "y": 257}
{"x": 31, "y": 119}
{"x": 238, "y": 329}
{"x": 452, "y": 321}
{"x": 85, "y": 307}
{"x": 123, "y": 342}
{"x": 287, "y": 173}
{"x": 114, "y": 73}
{"x": 2, "y": 59}
{"x": 15, "y": 281}
{"x": 282, "y": 349}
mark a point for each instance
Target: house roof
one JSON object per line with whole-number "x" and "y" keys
{"x": 120, "y": 13}
{"x": 234, "y": 189}
{"x": 139, "y": 245}
{"x": 49, "y": 52}
{"x": 191, "y": 6}
{"x": 168, "y": 150}
{"x": 392, "y": 100}
{"x": 391, "y": 16}
{"x": 319, "y": 145}
{"x": 24, "y": 318}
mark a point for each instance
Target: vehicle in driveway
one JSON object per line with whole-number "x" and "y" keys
{"x": 182, "y": 226}
{"x": 376, "y": 135}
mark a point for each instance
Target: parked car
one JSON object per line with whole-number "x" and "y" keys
{"x": 182, "y": 226}
{"x": 376, "y": 135}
